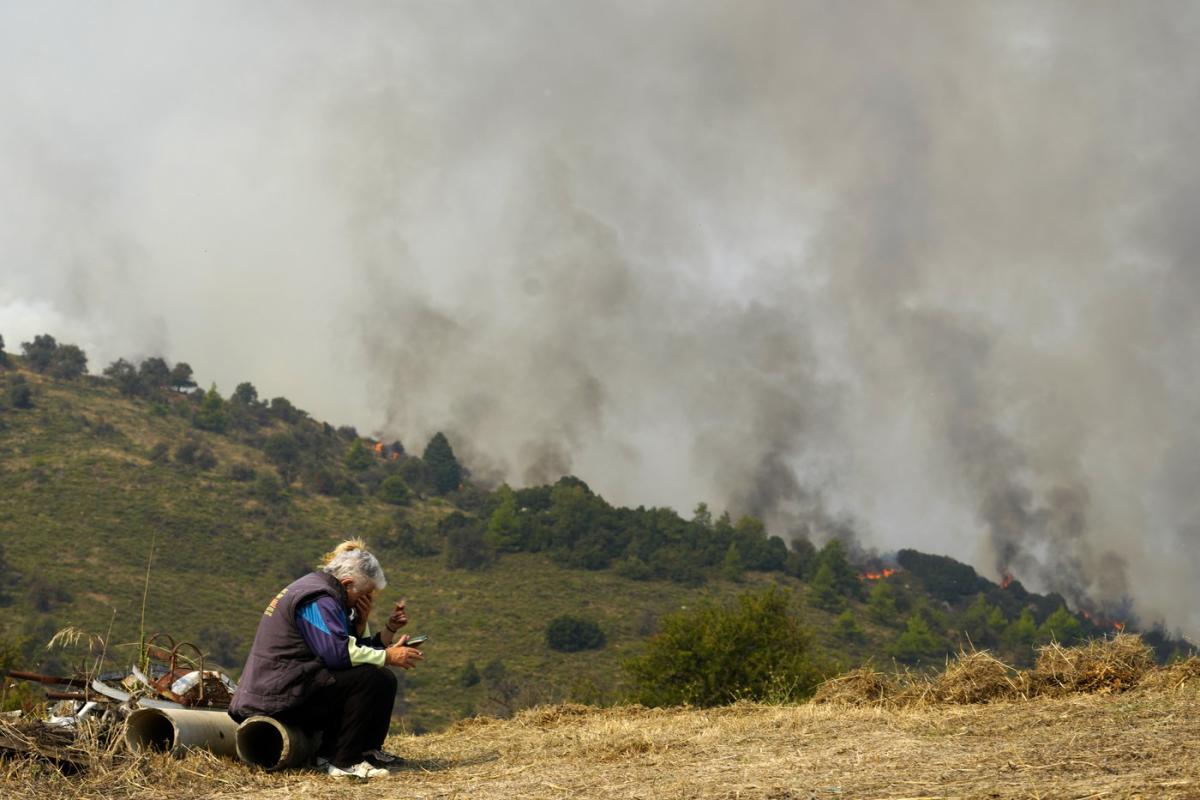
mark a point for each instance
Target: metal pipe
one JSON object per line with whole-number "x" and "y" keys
{"x": 268, "y": 743}
{"x": 174, "y": 730}
{"x": 50, "y": 679}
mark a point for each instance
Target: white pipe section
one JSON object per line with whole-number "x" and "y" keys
{"x": 268, "y": 743}
{"x": 174, "y": 730}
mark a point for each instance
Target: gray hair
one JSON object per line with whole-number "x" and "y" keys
{"x": 358, "y": 566}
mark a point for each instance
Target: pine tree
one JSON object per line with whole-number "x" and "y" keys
{"x": 212, "y": 416}
{"x": 846, "y": 627}
{"x": 881, "y": 604}
{"x": 505, "y": 532}
{"x": 1022, "y": 632}
{"x": 823, "y": 590}
{"x": 444, "y": 468}
{"x": 394, "y": 490}
{"x": 732, "y": 566}
{"x": 917, "y": 641}
{"x": 1061, "y": 626}
{"x": 357, "y": 457}
{"x": 833, "y": 556}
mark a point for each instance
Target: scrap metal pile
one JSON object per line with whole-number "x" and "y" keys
{"x": 172, "y": 677}
{"x": 170, "y": 704}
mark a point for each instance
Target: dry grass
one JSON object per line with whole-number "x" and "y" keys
{"x": 1173, "y": 676}
{"x": 864, "y": 686}
{"x": 1103, "y": 665}
{"x": 967, "y": 733}
{"x": 976, "y": 677}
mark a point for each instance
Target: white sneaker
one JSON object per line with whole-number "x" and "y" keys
{"x": 360, "y": 770}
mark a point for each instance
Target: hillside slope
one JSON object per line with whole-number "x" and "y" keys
{"x": 101, "y": 479}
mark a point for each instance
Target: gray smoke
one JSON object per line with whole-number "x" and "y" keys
{"x": 920, "y": 271}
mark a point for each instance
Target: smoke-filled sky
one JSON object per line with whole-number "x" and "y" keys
{"x": 924, "y": 271}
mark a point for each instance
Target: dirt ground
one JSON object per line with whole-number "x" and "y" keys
{"x": 1135, "y": 744}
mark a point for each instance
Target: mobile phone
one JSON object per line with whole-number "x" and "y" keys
{"x": 416, "y": 640}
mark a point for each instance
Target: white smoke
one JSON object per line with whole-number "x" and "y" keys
{"x": 928, "y": 268}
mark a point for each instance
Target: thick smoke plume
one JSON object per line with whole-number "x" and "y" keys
{"x": 922, "y": 270}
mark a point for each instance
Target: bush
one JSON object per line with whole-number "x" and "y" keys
{"x": 242, "y": 473}
{"x": 69, "y": 362}
{"x": 1062, "y": 626}
{"x": 282, "y": 449}
{"x": 466, "y": 546}
{"x": 881, "y": 603}
{"x": 753, "y": 649}
{"x": 160, "y": 453}
{"x": 269, "y": 488}
{"x": 568, "y": 634}
{"x": 917, "y": 642}
{"x": 19, "y": 393}
{"x": 211, "y": 416}
{"x": 394, "y": 490}
{"x": 186, "y": 452}
{"x": 410, "y": 540}
{"x": 846, "y": 627}
{"x": 469, "y": 676}
{"x": 39, "y": 353}
{"x": 357, "y": 457}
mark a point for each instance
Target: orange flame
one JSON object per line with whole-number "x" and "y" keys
{"x": 1118, "y": 626}
{"x": 1006, "y": 581}
{"x": 379, "y": 448}
{"x": 887, "y": 572}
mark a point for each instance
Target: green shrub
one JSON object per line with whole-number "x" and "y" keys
{"x": 269, "y": 488}
{"x": 846, "y": 627}
{"x": 569, "y": 634}
{"x": 916, "y": 643}
{"x": 242, "y": 473}
{"x": 466, "y": 545}
{"x": 357, "y": 457}
{"x": 1061, "y": 626}
{"x": 394, "y": 490}
{"x": 212, "y": 416}
{"x": 19, "y": 393}
{"x": 160, "y": 453}
{"x": 469, "y": 676}
{"x": 881, "y": 603}
{"x": 753, "y": 649}
{"x": 823, "y": 590}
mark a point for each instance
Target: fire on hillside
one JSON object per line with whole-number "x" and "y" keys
{"x": 886, "y": 572}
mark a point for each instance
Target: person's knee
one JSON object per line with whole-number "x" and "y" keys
{"x": 384, "y": 680}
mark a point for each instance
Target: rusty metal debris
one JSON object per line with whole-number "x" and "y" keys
{"x": 172, "y": 679}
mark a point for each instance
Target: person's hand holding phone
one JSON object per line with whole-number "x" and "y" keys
{"x": 400, "y": 655}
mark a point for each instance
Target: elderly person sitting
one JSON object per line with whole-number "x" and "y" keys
{"x": 315, "y": 665}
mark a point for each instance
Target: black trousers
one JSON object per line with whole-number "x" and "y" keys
{"x": 352, "y": 714}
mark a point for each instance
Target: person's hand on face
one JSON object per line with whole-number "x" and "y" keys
{"x": 363, "y": 606}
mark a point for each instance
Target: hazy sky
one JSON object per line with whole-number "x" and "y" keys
{"x": 923, "y": 270}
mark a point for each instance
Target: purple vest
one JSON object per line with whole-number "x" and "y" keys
{"x": 281, "y": 670}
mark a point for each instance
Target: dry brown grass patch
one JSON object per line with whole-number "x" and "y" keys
{"x": 1173, "y": 676}
{"x": 976, "y": 677}
{"x": 860, "y": 687}
{"x": 1101, "y": 666}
